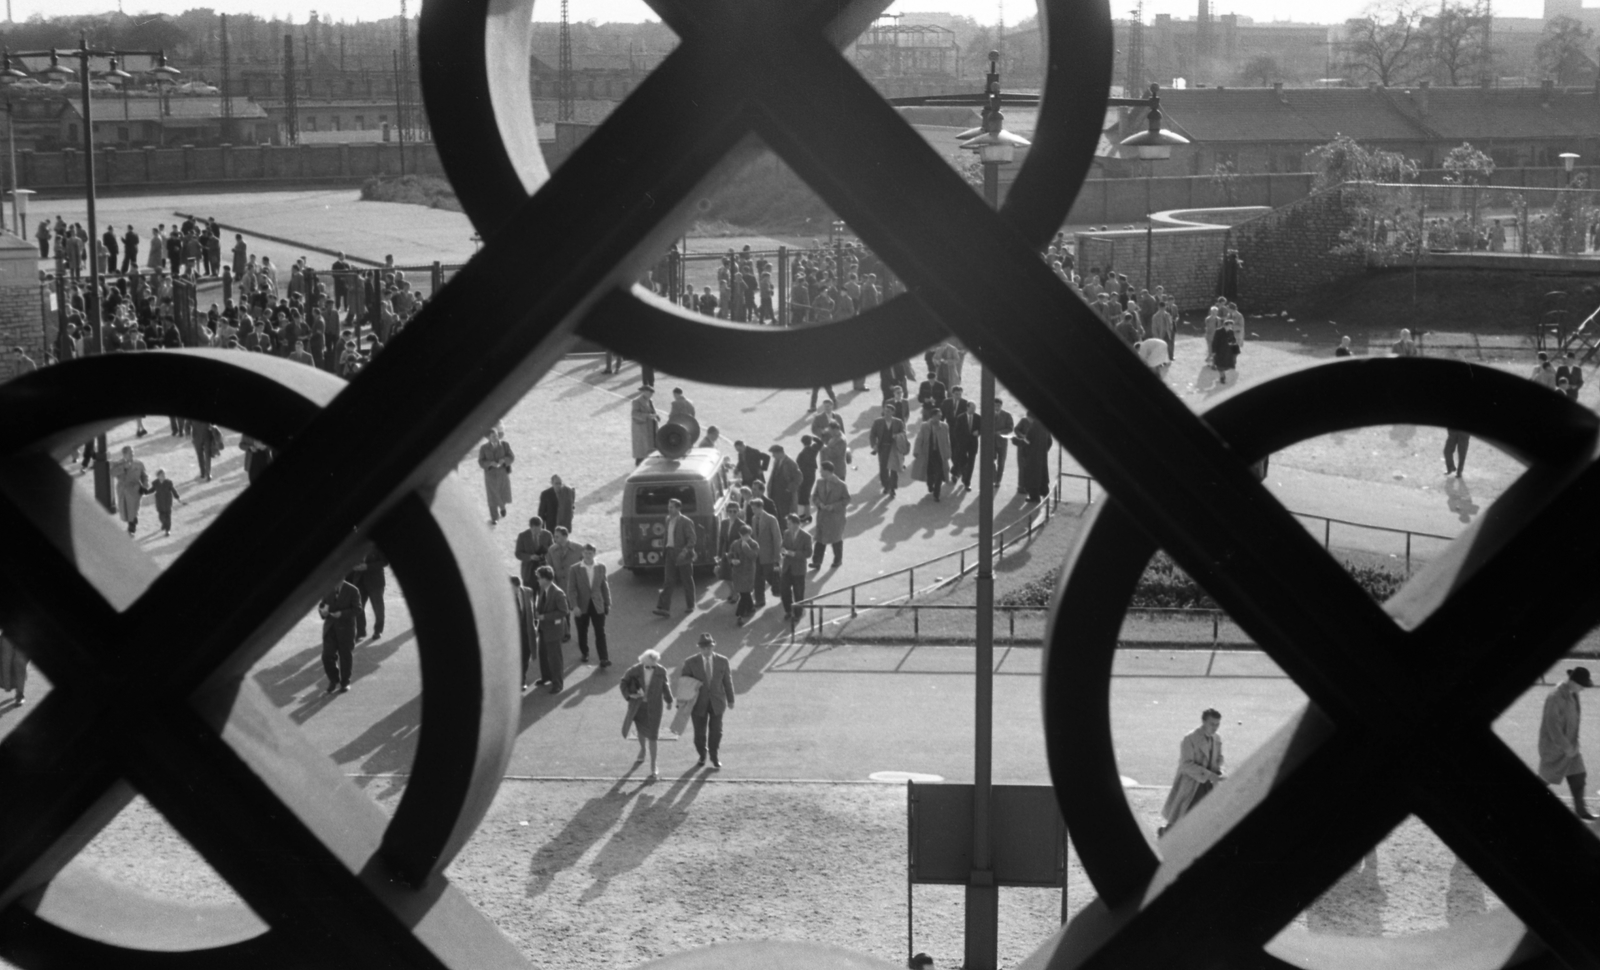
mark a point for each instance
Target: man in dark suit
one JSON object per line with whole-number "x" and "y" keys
{"x": 590, "y": 593}
{"x": 930, "y": 393}
{"x": 753, "y": 463}
{"x": 555, "y": 505}
{"x": 964, "y": 442}
{"x": 714, "y": 698}
{"x": 784, "y": 486}
{"x": 370, "y": 582}
{"x": 677, "y": 559}
{"x": 797, "y": 547}
{"x": 550, "y": 608}
{"x": 338, "y": 610}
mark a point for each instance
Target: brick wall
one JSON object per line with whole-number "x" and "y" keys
{"x": 1289, "y": 251}
{"x": 1185, "y": 261}
{"x": 226, "y": 163}
{"x": 1284, "y": 252}
{"x": 21, "y": 325}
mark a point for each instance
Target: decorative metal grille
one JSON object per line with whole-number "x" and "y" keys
{"x": 330, "y": 884}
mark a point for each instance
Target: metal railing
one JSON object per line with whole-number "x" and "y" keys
{"x": 1328, "y": 523}
{"x": 1021, "y": 530}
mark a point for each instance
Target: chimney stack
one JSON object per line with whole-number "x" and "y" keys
{"x": 1547, "y": 89}
{"x": 1422, "y": 96}
{"x": 1277, "y": 88}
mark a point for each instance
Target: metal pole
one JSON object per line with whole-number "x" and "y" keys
{"x": 1149, "y": 220}
{"x": 399, "y": 112}
{"x": 91, "y": 305}
{"x": 983, "y": 897}
{"x": 11, "y": 164}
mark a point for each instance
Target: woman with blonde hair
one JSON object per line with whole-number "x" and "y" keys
{"x": 645, "y": 687}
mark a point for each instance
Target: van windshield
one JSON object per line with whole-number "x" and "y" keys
{"x": 652, "y": 499}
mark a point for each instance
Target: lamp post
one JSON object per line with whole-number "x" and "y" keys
{"x": 995, "y": 147}
{"x": 1153, "y": 143}
{"x": 8, "y": 77}
{"x": 83, "y": 53}
{"x": 1568, "y": 160}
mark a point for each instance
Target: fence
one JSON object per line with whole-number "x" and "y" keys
{"x": 1168, "y": 626}
{"x": 1405, "y": 220}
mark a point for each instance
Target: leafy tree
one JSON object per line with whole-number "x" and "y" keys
{"x": 1455, "y": 40}
{"x": 1465, "y": 165}
{"x": 1561, "y": 49}
{"x": 1346, "y": 160}
{"x": 1386, "y": 41}
{"x": 1260, "y": 71}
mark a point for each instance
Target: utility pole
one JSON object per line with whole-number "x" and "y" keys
{"x": 404, "y": 78}
{"x": 227, "y": 90}
{"x": 399, "y": 117}
{"x": 291, "y": 104}
{"x": 564, "y": 84}
{"x": 1135, "y": 79}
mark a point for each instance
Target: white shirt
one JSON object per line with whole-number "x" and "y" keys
{"x": 588, "y": 570}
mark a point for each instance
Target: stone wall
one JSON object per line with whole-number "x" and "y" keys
{"x": 1284, "y": 253}
{"x": 1289, "y": 251}
{"x": 64, "y": 170}
{"x": 22, "y": 325}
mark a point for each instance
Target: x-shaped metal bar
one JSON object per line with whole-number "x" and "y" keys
{"x": 771, "y": 69}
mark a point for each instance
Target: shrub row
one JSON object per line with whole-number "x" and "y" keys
{"x": 1165, "y": 585}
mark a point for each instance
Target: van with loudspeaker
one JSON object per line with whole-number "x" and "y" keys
{"x": 699, "y": 478}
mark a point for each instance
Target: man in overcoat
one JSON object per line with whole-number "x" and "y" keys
{"x": 369, "y": 580}
{"x": 768, "y": 535}
{"x": 1199, "y": 768}
{"x": 884, "y": 439}
{"x": 829, "y": 499}
{"x": 1559, "y": 754}
{"x": 555, "y": 505}
{"x": 783, "y": 486}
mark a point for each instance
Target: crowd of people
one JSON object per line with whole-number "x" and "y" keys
{"x": 826, "y": 283}
{"x": 302, "y": 313}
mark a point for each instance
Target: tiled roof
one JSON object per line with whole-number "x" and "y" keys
{"x": 1316, "y": 115}
{"x": 1313, "y": 115}
{"x": 1475, "y": 114}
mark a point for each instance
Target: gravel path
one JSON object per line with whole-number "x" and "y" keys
{"x": 610, "y": 874}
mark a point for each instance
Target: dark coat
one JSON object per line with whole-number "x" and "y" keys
{"x": 555, "y": 507}
{"x": 753, "y": 464}
{"x": 645, "y": 705}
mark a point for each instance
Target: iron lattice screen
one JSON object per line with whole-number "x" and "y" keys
{"x": 331, "y": 884}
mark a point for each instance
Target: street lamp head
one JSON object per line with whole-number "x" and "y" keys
{"x": 57, "y": 70}
{"x": 115, "y": 73}
{"x": 9, "y": 73}
{"x": 1154, "y": 143}
{"x": 1568, "y": 159}
{"x": 165, "y": 74}
{"x": 994, "y": 57}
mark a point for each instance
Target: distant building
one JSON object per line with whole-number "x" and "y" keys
{"x": 161, "y": 122}
{"x": 1270, "y": 129}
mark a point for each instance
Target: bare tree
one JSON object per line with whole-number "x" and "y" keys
{"x": 1455, "y": 40}
{"x": 1562, "y": 49}
{"x": 1260, "y": 71}
{"x": 1385, "y": 41}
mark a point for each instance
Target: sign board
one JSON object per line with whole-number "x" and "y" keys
{"x": 1028, "y": 835}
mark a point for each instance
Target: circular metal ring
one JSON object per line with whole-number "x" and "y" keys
{"x": 494, "y": 176}
{"x": 441, "y": 559}
{"x": 1104, "y": 569}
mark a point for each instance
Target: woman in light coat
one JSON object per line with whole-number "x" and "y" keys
{"x": 129, "y": 479}
{"x": 645, "y": 686}
{"x": 645, "y": 420}
{"x": 930, "y": 457}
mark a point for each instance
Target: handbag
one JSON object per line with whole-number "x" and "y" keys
{"x": 723, "y": 570}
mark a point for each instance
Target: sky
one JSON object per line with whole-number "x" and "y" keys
{"x": 985, "y": 11}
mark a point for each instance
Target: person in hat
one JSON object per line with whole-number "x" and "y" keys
{"x": 713, "y": 697}
{"x": 645, "y": 421}
{"x": 1559, "y": 756}
{"x": 783, "y": 486}
{"x": 645, "y": 686}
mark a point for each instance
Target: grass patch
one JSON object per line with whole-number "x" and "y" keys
{"x": 424, "y": 190}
